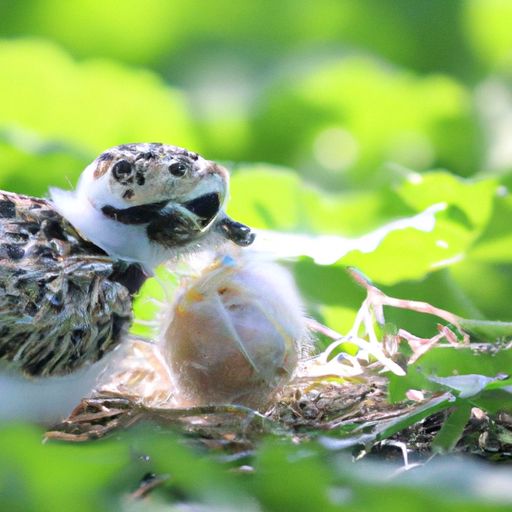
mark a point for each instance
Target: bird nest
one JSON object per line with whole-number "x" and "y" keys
{"x": 338, "y": 398}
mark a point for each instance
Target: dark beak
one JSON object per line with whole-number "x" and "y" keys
{"x": 238, "y": 233}
{"x": 206, "y": 207}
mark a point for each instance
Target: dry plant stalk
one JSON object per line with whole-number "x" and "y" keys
{"x": 363, "y": 334}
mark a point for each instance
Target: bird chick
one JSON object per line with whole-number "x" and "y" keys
{"x": 235, "y": 333}
{"x": 69, "y": 266}
{"x": 148, "y": 203}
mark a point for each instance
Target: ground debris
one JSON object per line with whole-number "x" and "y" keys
{"x": 335, "y": 397}
{"x": 350, "y": 413}
{"x": 324, "y": 405}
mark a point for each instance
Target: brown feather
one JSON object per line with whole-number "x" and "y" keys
{"x": 61, "y": 304}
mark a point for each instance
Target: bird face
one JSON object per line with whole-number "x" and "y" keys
{"x": 151, "y": 193}
{"x": 157, "y": 184}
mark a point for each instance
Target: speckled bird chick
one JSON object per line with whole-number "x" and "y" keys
{"x": 69, "y": 265}
{"x": 147, "y": 203}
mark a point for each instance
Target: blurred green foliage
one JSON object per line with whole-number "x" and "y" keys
{"x": 336, "y": 117}
{"x": 287, "y": 477}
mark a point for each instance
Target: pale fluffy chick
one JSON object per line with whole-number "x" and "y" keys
{"x": 234, "y": 333}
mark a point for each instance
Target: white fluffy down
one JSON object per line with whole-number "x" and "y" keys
{"x": 47, "y": 400}
{"x": 234, "y": 333}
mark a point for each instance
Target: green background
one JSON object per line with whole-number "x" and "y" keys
{"x": 335, "y": 118}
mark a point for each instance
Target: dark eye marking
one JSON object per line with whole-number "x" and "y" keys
{"x": 147, "y": 155}
{"x": 206, "y": 206}
{"x": 136, "y": 214}
{"x": 121, "y": 170}
{"x": 141, "y": 179}
{"x": 105, "y": 157}
{"x": 177, "y": 169}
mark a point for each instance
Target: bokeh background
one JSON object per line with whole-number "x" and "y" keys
{"x": 337, "y": 90}
{"x": 335, "y": 117}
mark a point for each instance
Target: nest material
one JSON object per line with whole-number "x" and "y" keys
{"x": 338, "y": 398}
{"x": 301, "y": 413}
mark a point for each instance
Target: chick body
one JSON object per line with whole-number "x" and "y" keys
{"x": 234, "y": 333}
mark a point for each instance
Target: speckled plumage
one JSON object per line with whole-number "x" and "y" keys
{"x": 68, "y": 266}
{"x": 60, "y": 304}
{"x": 151, "y": 202}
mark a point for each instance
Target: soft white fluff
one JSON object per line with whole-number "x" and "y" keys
{"x": 48, "y": 400}
{"x": 120, "y": 241}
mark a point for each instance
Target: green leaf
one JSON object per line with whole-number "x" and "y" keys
{"x": 495, "y": 243}
{"x": 465, "y": 386}
{"x": 373, "y": 431}
{"x": 448, "y": 362}
{"x": 485, "y": 286}
{"x": 487, "y": 330}
{"x": 437, "y": 288}
{"x": 56, "y": 477}
{"x": 270, "y": 197}
{"x": 327, "y": 284}
{"x": 408, "y": 254}
{"x": 21, "y": 153}
{"x": 487, "y": 27}
{"x": 199, "y": 478}
{"x": 452, "y": 429}
{"x": 387, "y": 264}
{"x": 383, "y": 115}
{"x": 418, "y": 413}
{"x": 494, "y": 400}
{"x": 472, "y": 199}
{"x": 117, "y": 40}
{"x": 58, "y": 114}
{"x": 307, "y": 479}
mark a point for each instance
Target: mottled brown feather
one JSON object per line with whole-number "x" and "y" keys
{"x": 60, "y": 305}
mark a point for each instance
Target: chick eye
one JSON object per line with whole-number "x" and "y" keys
{"x": 121, "y": 169}
{"x": 177, "y": 169}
